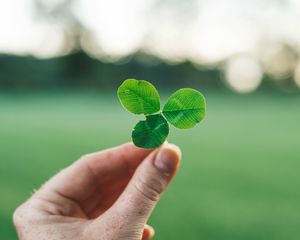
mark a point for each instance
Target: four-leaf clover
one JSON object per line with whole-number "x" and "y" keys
{"x": 184, "y": 109}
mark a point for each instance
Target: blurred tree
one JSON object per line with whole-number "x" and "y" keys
{"x": 60, "y": 12}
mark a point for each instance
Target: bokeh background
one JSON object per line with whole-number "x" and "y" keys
{"x": 61, "y": 62}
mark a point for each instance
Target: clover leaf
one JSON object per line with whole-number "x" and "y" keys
{"x": 150, "y": 133}
{"x": 184, "y": 109}
{"x": 139, "y": 96}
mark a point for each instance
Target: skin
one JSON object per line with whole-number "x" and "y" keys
{"x": 106, "y": 195}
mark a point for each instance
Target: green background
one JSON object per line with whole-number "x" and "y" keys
{"x": 239, "y": 177}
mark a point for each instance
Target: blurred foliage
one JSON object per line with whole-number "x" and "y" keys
{"x": 78, "y": 70}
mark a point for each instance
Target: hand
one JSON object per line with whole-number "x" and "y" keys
{"x": 106, "y": 195}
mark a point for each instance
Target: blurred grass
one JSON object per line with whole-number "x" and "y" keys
{"x": 240, "y": 171}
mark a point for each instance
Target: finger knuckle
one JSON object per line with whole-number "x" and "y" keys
{"x": 19, "y": 216}
{"x": 85, "y": 157}
{"x": 151, "y": 189}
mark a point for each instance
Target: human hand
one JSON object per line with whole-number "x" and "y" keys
{"x": 106, "y": 195}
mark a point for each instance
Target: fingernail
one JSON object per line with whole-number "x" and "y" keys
{"x": 166, "y": 160}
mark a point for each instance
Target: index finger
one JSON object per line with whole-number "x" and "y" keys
{"x": 80, "y": 180}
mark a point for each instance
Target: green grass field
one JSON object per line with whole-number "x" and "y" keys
{"x": 240, "y": 171}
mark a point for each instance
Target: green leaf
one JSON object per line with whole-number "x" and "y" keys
{"x": 185, "y": 108}
{"x": 139, "y": 96}
{"x": 151, "y": 132}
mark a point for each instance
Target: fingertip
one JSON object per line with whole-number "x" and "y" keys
{"x": 167, "y": 159}
{"x": 176, "y": 150}
{"x": 129, "y": 146}
{"x": 151, "y": 230}
{"x": 148, "y": 233}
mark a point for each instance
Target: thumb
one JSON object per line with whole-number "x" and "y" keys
{"x": 149, "y": 181}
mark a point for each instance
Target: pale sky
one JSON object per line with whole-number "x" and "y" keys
{"x": 209, "y": 32}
